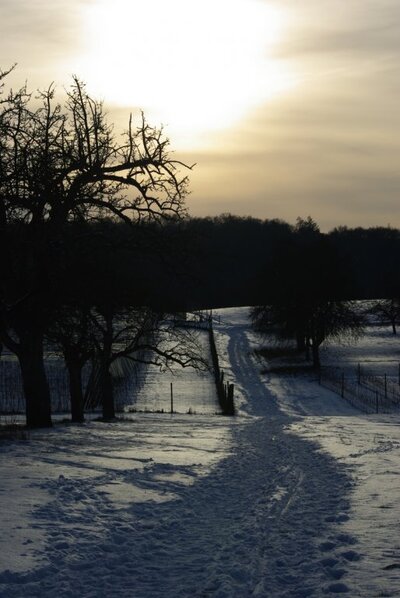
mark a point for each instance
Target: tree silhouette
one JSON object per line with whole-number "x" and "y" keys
{"x": 60, "y": 164}
{"x": 71, "y": 332}
{"x": 387, "y": 311}
{"x": 305, "y": 299}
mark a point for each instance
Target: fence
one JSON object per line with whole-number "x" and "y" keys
{"x": 224, "y": 391}
{"x": 12, "y": 401}
{"x": 128, "y": 383}
{"x": 182, "y": 390}
{"x": 197, "y": 319}
{"x": 187, "y": 391}
{"x": 369, "y": 392}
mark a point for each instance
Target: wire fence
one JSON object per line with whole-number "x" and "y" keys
{"x": 178, "y": 390}
{"x": 136, "y": 386}
{"x": 192, "y": 391}
{"x": 187, "y": 392}
{"x": 369, "y": 392}
{"x": 12, "y": 401}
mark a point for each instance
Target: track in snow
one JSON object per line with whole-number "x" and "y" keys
{"x": 265, "y": 522}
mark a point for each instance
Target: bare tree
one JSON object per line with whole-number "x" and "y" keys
{"x": 138, "y": 335}
{"x": 60, "y": 164}
{"x": 387, "y": 311}
{"x": 314, "y": 322}
{"x": 306, "y": 297}
{"x": 71, "y": 332}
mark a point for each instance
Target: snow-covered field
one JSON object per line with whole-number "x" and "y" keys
{"x": 297, "y": 496}
{"x": 193, "y": 391}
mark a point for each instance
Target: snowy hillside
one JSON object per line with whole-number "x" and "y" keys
{"x": 297, "y": 496}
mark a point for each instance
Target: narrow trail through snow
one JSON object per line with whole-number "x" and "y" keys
{"x": 266, "y": 521}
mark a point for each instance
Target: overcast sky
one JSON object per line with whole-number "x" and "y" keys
{"x": 288, "y": 108}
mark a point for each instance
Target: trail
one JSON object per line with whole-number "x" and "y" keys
{"x": 302, "y": 496}
{"x": 266, "y": 521}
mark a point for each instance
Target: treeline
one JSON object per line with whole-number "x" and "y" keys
{"x": 197, "y": 263}
{"x": 232, "y": 260}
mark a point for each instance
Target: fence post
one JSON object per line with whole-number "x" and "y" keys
{"x": 385, "y": 386}
{"x": 359, "y": 373}
{"x": 222, "y": 390}
{"x": 230, "y": 405}
{"x": 172, "y": 398}
{"x": 377, "y": 401}
{"x": 342, "y": 390}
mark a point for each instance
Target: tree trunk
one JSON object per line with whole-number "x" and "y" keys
{"x": 315, "y": 355}
{"x": 75, "y": 390}
{"x": 36, "y": 388}
{"x": 107, "y": 393}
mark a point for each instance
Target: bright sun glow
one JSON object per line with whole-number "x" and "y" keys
{"x": 194, "y": 65}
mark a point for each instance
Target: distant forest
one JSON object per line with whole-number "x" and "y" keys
{"x": 228, "y": 260}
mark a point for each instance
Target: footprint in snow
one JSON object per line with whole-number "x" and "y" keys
{"x": 337, "y": 588}
{"x": 351, "y": 555}
{"x": 327, "y": 546}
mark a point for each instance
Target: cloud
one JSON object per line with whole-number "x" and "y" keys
{"x": 39, "y": 36}
{"x": 333, "y": 155}
{"x": 367, "y": 40}
{"x": 328, "y": 36}
{"x": 328, "y": 147}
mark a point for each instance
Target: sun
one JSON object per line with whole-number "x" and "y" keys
{"x": 193, "y": 65}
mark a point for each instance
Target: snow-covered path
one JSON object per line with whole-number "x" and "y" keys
{"x": 297, "y": 496}
{"x": 185, "y": 506}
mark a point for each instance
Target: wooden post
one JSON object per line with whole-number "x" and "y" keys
{"x": 172, "y": 398}
{"x": 230, "y": 405}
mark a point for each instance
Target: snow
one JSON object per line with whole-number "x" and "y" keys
{"x": 193, "y": 390}
{"x": 297, "y": 496}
